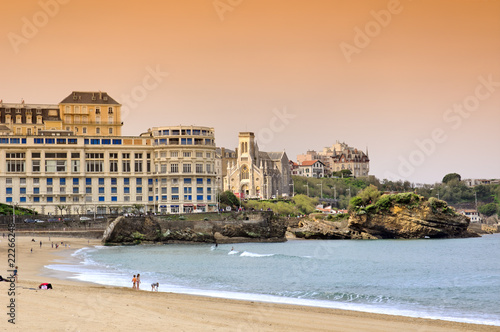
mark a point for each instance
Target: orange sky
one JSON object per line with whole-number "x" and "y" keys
{"x": 240, "y": 65}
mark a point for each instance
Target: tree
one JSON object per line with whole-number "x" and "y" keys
{"x": 451, "y": 176}
{"x": 369, "y": 195}
{"x": 346, "y": 173}
{"x": 62, "y": 208}
{"x": 229, "y": 199}
{"x": 305, "y": 204}
{"x": 488, "y": 209}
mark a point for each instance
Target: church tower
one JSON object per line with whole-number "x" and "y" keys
{"x": 246, "y": 147}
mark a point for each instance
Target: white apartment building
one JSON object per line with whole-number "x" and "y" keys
{"x": 166, "y": 170}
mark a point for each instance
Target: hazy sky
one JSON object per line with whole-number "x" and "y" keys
{"x": 417, "y": 82}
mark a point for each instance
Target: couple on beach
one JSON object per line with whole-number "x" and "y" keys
{"x": 136, "y": 281}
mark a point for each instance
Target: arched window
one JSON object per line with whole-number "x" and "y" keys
{"x": 245, "y": 175}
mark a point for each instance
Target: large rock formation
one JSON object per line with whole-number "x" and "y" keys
{"x": 237, "y": 227}
{"x": 403, "y": 222}
{"x": 320, "y": 229}
{"x": 132, "y": 230}
{"x": 402, "y": 216}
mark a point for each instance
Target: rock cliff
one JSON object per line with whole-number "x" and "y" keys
{"x": 403, "y": 216}
{"x": 402, "y": 222}
{"x": 132, "y": 230}
{"x": 240, "y": 227}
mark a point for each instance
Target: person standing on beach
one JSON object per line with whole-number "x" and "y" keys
{"x": 15, "y": 274}
{"x": 138, "y": 280}
{"x": 134, "y": 282}
{"x": 40, "y": 244}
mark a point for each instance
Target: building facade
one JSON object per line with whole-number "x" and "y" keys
{"x": 165, "y": 170}
{"x": 257, "y": 174}
{"x": 91, "y": 113}
{"x": 472, "y": 214}
{"x": 223, "y": 156}
{"x": 338, "y": 157}
{"x": 312, "y": 169}
{"x": 81, "y": 113}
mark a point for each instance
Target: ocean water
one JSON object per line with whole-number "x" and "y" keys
{"x": 452, "y": 279}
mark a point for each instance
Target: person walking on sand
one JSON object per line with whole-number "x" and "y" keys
{"x": 138, "y": 280}
{"x": 40, "y": 244}
{"x": 134, "y": 282}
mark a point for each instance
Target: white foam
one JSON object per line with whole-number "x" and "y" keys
{"x": 251, "y": 254}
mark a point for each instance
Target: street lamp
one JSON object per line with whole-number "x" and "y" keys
{"x": 349, "y": 189}
{"x": 14, "y": 213}
{"x": 293, "y": 188}
{"x": 321, "y": 184}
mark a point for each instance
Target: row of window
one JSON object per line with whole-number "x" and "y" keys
{"x": 114, "y": 190}
{"x": 98, "y": 166}
{"x": 114, "y": 181}
{"x": 176, "y": 132}
{"x": 76, "y": 199}
{"x": 186, "y": 168}
{"x": 76, "y": 119}
{"x": 18, "y": 110}
{"x": 184, "y": 141}
{"x": 68, "y": 110}
{"x": 28, "y": 119}
{"x": 4, "y": 140}
{"x": 185, "y": 154}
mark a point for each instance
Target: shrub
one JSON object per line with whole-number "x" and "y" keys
{"x": 385, "y": 202}
{"x": 137, "y": 237}
{"x": 372, "y": 208}
{"x": 337, "y": 217}
{"x": 488, "y": 209}
{"x": 436, "y": 204}
{"x": 355, "y": 203}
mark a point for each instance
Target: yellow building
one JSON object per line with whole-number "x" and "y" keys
{"x": 81, "y": 113}
{"x": 91, "y": 113}
{"x": 28, "y": 119}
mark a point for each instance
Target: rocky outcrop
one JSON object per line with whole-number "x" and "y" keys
{"x": 320, "y": 230}
{"x": 403, "y": 222}
{"x": 132, "y": 230}
{"x": 417, "y": 219}
{"x": 240, "y": 227}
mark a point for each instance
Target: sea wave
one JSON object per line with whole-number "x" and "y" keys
{"x": 251, "y": 254}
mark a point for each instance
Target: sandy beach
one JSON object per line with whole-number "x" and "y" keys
{"x": 78, "y": 306}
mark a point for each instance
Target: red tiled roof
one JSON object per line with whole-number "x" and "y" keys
{"x": 309, "y": 162}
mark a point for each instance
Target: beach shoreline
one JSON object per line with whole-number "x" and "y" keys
{"x": 79, "y": 305}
